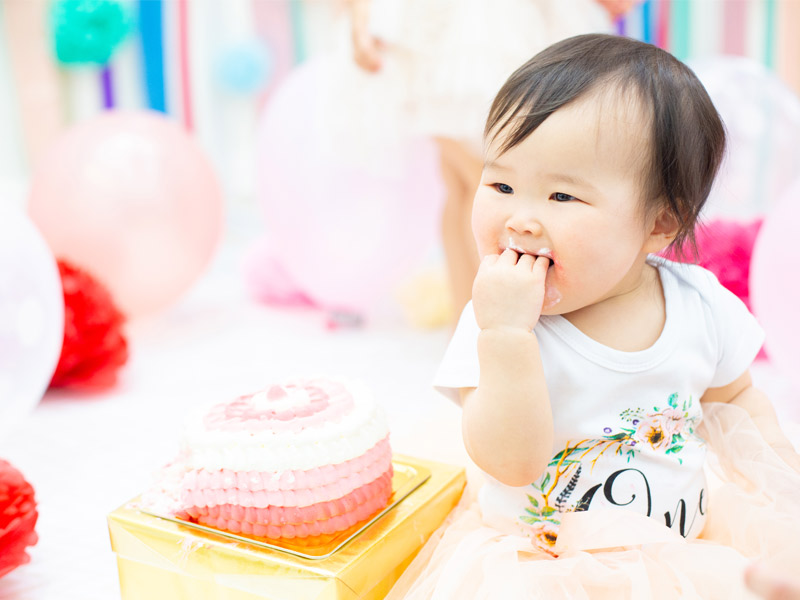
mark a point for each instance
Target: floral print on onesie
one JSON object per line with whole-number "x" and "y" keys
{"x": 662, "y": 433}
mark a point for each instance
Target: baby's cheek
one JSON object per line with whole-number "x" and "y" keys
{"x": 486, "y": 243}
{"x": 481, "y": 219}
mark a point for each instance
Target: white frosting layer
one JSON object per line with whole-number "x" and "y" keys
{"x": 335, "y": 441}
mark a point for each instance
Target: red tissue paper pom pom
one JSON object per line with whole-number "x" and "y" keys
{"x": 94, "y": 346}
{"x": 725, "y": 248}
{"x": 17, "y": 518}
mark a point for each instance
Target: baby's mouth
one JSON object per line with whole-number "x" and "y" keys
{"x": 552, "y": 295}
{"x": 535, "y": 255}
{"x": 545, "y": 252}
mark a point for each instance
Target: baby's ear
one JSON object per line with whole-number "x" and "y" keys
{"x": 663, "y": 229}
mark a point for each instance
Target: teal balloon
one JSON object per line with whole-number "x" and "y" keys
{"x": 87, "y": 31}
{"x": 244, "y": 67}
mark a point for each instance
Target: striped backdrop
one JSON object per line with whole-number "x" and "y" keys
{"x": 166, "y": 64}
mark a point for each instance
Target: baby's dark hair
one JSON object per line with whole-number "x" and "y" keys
{"x": 687, "y": 137}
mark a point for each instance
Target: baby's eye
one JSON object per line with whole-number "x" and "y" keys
{"x": 562, "y": 197}
{"x": 503, "y": 188}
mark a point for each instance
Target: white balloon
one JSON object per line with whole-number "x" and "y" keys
{"x": 31, "y": 316}
{"x": 762, "y": 118}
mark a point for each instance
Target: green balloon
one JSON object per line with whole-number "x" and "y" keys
{"x": 87, "y": 31}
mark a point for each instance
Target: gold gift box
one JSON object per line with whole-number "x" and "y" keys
{"x": 167, "y": 559}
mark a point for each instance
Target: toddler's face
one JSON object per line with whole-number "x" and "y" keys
{"x": 571, "y": 191}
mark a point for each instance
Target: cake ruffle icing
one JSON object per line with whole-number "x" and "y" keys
{"x": 300, "y": 460}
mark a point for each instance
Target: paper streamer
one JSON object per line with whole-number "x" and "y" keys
{"x": 769, "y": 46}
{"x": 788, "y": 59}
{"x": 107, "y": 87}
{"x": 274, "y": 26}
{"x": 11, "y": 167}
{"x": 706, "y": 34}
{"x": 183, "y": 59}
{"x": 755, "y": 24}
{"x": 662, "y": 24}
{"x": 127, "y": 69}
{"x": 83, "y": 93}
{"x": 238, "y": 115}
{"x": 151, "y": 30}
{"x": 735, "y": 31}
{"x": 298, "y": 32}
{"x": 34, "y": 74}
{"x": 647, "y": 21}
{"x": 204, "y": 20}
{"x": 170, "y": 43}
{"x": 680, "y": 29}
{"x": 633, "y": 23}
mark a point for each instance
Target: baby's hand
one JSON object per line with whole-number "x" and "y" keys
{"x": 367, "y": 51}
{"x": 509, "y": 290}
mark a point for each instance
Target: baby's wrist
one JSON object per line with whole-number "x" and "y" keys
{"x": 503, "y": 348}
{"x": 506, "y": 330}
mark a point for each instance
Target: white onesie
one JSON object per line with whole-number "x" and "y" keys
{"x": 624, "y": 422}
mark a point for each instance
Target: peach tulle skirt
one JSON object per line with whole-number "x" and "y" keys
{"x": 753, "y": 513}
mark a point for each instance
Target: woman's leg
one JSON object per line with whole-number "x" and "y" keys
{"x": 461, "y": 172}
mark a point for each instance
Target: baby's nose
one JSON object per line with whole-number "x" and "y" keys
{"x": 524, "y": 224}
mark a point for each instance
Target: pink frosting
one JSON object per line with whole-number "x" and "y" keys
{"x": 287, "y": 488}
{"x": 327, "y": 400}
{"x": 292, "y": 521}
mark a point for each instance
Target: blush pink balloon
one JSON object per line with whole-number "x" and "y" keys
{"x": 775, "y": 286}
{"x": 343, "y": 230}
{"x": 131, "y": 198}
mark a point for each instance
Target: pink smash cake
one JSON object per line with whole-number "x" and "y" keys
{"x": 302, "y": 461}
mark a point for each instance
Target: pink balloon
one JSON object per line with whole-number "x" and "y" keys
{"x": 343, "y": 228}
{"x": 131, "y": 198}
{"x": 775, "y": 286}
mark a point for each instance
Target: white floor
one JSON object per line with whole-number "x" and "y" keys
{"x": 86, "y": 455}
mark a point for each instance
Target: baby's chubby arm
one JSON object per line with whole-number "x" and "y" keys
{"x": 742, "y": 393}
{"x": 507, "y": 422}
